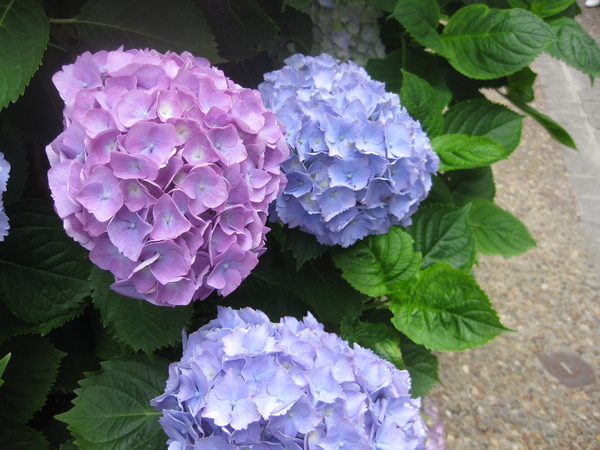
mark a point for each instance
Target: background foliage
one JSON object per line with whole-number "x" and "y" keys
{"x": 78, "y": 363}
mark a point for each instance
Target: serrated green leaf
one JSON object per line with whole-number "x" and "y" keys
{"x": 27, "y": 379}
{"x": 112, "y": 409}
{"x": 446, "y": 310}
{"x": 304, "y": 246}
{"x": 548, "y": 8}
{"x": 176, "y": 25}
{"x": 486, "y": 119}
{"x": 486, "y": 43}
{"x": 379, "y": 337}
{"x": 137, "y": 323}
{"x": 553, "y": 128}
{"x": 19, "y": 436}
{"x": 442, "y": 234}
{"x": 502, "y": 4}
{"x": 3, "y": 364}
{"x": 376, "y": 262}
{"x": 574, "y": 46}
{"x": 460, "y": 151}
{"x": 422, "y": 103}
{"x": 43, "y": 275}
{"x": 297, "y": 4}
{"x": 420, "y": 18}
{"x": 498, "y": 232}
{"x": 385, "y": 5}
{"x": 465, "y": 185}
{"x": 422, "y": 366}
{"x": 24, "y": 35}
{"x": 439, "y": 192}
{"x": 520, "y": 85}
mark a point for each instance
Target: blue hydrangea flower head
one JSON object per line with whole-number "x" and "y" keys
{"x": 245, "y": 382}
{"x": 346, "y": 29}
{"x": 359, "y": 164}
{"x": 4, "y": 175}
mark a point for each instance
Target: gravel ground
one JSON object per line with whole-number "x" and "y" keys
{"x": 500, "y": 396}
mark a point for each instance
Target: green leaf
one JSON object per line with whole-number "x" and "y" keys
{"x": 3, "y": 363}
{"x": 15, "y": 154}
{"x": 385, "y": 5}
{"x": 498, "y": 232}
{"x": 487, "y": 119}
{"x": 553, "y": 128}
{"x": 24, "y": 34}
{"x": 439, "y": 192}
{"x": 471, "y": 183}
{"x": 176, "y": 25}
{"x": 376, "y": 262}
{"x": 420, "y": 18}
{"x": 112, "y": 409}
{"x": 297, "y": 4}
{"x": 422, "y": 366}
{"x": 486, "y": 43}
{"x": 43, "y": 274}
{"x": 442, "y": 234}
{"x": 137, "y": 323}
{"x": 304, "y": 246}
{"x": 520, "y": 85}
{"x": 422, "y": 103}
{"x": 446, "y": 310}
{"x": 574, "y": 46}
{"x": 27, "y": 379}
{"x": 460, "y": 151}
{"x": 379, "y": 337}
{"x": 548, "y": 8}
{"x": 18, "y": 436}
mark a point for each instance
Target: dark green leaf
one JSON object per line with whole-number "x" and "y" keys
{"x": 379, "y": 337}
{"x": 555, "y": 130}
{"x": 137, "y": 323}
{"x": 520, "y": 85}
{"x": 460, "y": 151}
{"x": 23, "y": 37}
{"x": 3, "y": 363}
{"x": 387, "y": 70}
{"x": 11, "y": 325}
{"x": 442, "y": 234}
{"x": 422, "y": 366}
{"x": 112, "y": 409}
{"x": 574, "y": 46}
{"x": 303, "y": 246}
{"x": 385, "y": 5}
{"x": 14, "y": 153}
{"x": 548, "y": 8}
{"x": 446, "y": 310}
{"x": 486, "y": 43}
{"x": 376, "y": 262}
{"x": 487, "y": 119}
{"x": 422, "y": 103}
{"x": 420, "y": 18}
{"x": 33, "y": 366}
{"x": 15, "y": 435}
{"x": 497, "y": 231}
{"x": 176, "y": 25}
{"x": 501, "y": 4}
{"x": 467, "y": 184}
{"x": 43, "y": 274}
{"x": 298, "y": 4}
{"x": 439, "y": 192}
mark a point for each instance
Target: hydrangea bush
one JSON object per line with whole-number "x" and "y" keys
{"x": 162, "y": 167}
{"x": 244, "y": 381}
{"x": 164, "y": 172}
{"x": 359, "y": 165}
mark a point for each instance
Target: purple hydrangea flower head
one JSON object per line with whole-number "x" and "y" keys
{"x": 346, "y": 29}
{"x": 164, "y": 171}
{"x": 4, "y": 175}
{"x": 246, "y": 382}
{"x": 359, "y": 165}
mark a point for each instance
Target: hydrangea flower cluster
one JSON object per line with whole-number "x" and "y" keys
{"x": 359, "y": 162}
{"x": 245, "y": 382}
{"x": 346, "y": 29}
{"x": 4, "y": 175}
{"x": 164, "y": 172}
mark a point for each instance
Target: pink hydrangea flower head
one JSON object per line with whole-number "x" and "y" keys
{"x": 164, "y": 171}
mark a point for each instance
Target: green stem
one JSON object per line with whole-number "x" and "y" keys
{"x": 50, "y": 20}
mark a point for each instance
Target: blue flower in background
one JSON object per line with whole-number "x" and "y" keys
{"x": 245, "y": 382}
{"x": 4, "y": 175}
{"x": 360, "y": 163}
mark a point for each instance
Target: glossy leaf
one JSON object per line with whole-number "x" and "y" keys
{"x": 376, "y": 262}
{"x": 422, "y": 366}
{"x": 520, "y": 85}
{"x": 3, "y": 363}
{"x": 24, "y": 34}
{"x": 422, "y": 103}
{"x": 465, "y": 185}
{"x": 548, "y": 8}
{"x": 461, "y": 151}
{"x": 486, "y": 43}
{"x": 446, "y": 310}
{"x": 19, "y": 436}
{"x": 420, "y": 18}
{"x": 112, "y": 409}
{"x": 497, "y": 231}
